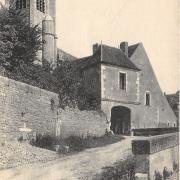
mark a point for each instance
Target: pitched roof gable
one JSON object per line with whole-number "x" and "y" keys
{"x": 64, "y": 56}
{"x": 131, "y": 49}
{"x": 108, "y": 55}
{"x": 115, "y": 56}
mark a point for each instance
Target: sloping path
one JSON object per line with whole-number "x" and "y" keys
{"x": 79, "y": 166}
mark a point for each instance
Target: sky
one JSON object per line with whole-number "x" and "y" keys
{"x": 81, "y": 23}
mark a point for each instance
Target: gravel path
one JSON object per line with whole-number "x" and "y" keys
{"x": 14, "y": 154}
{"x": 79, "y": 166}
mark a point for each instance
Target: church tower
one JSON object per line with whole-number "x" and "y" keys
{"x": 43, "y": 14}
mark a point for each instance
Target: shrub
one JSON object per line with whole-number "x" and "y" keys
{"x": 75, "y": 143}
{"x": 43, "y": 141}
{"x": 123, "y": 170}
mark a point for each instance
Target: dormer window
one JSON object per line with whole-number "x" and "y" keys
{"x": 122, "y": 81}
{"x": 147, "y": 99}
{"x": 40, "y": 5}
{"x": 20, "y": 4}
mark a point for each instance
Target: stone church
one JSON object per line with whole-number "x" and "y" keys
{"x": 121, "y": 79}
{"x": 43, "y": 14}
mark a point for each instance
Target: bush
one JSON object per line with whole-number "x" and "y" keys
{"x": 124, "y": 170}
{"x": 75, "y": 143}
{"x": 43, "y": 141}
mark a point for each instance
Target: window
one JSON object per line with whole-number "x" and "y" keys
{"x": 148, "y": 99}
{"x": 20, "y": 4}
{"x": 52, "y": 104}
{"x": 40, "y": 5}
{"x": 122, "y": 81}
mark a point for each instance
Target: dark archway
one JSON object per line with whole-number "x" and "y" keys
{"x": 121, "y": 120}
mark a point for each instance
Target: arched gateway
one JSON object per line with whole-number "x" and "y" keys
{"x": 121, "y": 120}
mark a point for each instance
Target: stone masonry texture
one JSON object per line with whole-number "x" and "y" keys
{"x": 21, "y": 103}
{"x": 39, "y": 110}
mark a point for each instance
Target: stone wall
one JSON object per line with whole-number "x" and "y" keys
{"x": 21, "y": 103}
{"x": 78, "y": 123}
{"x": 39, "y": 110}
{"x": 156, "y": 153}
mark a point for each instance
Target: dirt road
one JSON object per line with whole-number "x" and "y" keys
{"x": 79, "y": 166}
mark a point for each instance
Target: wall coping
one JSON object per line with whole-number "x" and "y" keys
{"x": 12, "y": 82}
{"x": 153, "y": 144}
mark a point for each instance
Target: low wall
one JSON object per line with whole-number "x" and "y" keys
{"x": 21, "y": 103}
{"x": 154, "y": 131}
{"x": 155, "y": 154}
{"x": 78, "y": 123}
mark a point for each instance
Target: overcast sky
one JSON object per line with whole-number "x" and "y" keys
{"x": 80, "y": 23}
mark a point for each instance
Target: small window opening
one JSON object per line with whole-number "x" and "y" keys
{"x": 52, "y": 104}
{"x": 40, "y": 5}
{"x": 20, "y": 4}
{"x": 148, "y": 99}
{"x": 122, "y": 81}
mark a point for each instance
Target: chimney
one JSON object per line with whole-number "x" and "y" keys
{"x": 124, "y": 47}
{"x": 95, "y": 47}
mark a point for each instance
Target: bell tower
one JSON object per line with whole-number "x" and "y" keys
{"x": 43, "y": 14}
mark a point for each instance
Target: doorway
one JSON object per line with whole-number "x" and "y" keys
{"x": 121, "y": 120}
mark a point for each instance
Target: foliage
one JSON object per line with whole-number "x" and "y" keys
{"x": 123, "y": 170}
{"x": 19, "y": 43}
{"x": 72, "y": 92}
{"x": 75, "y": 143}
{"x": 43, "y": 141}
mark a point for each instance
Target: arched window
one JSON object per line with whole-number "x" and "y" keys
{"x": 40, "y": 5}
{"x": 20, "y": 4}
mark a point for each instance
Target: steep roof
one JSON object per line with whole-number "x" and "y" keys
{"x": 173, "y": 100}
{"x": 108, "y": 55}
{"x": 131, "y": 49}
{"x": 64, "y": 56}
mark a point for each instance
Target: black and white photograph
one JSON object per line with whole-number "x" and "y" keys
{"x": 89, "y": 89}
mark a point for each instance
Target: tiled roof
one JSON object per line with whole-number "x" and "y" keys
{"x": 108, "y": 55}
{"x": 117, "y": 57}
{"x": 64, "y": 56}
{"x": 173, "y": 100}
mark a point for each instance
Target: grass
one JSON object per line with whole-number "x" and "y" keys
{"x": 76, "y": 143}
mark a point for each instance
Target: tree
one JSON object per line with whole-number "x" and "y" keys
{"x": 19, "y": 43}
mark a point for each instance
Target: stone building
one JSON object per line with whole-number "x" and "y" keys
{"x": 43, "y": 14}
{"x": 124, "y": 86}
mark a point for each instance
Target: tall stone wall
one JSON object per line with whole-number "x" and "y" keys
{"x": 78, "y": 123}
{"x": 21, "y": 103}
{"x": 37, "y": 108}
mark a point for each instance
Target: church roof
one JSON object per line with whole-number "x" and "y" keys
{"x": 64, "y": 56}
{"x": 131, "y": 49}
{"x": 108, "y": 55}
